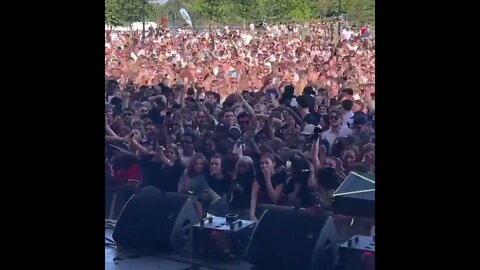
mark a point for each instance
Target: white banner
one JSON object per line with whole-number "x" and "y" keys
{"x": 186, "y": 17}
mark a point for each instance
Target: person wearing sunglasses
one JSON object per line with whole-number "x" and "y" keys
{"x": 244, "y": 120}
{"x": 336, "y": 128}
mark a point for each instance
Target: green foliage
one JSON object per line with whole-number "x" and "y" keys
{"x": 125, "y": 12}
{"x": 234, "y": 11}
{"x": 112, "y": 13}
{"x": 299, "y": 10}
{"x": 245, "y": 7}
{"x": 303, "y": 10}
{"x": 212, "y": 10}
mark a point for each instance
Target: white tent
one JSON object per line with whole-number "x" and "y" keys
{"x": 138, "y": 25}
{"x": 135, "y": 26}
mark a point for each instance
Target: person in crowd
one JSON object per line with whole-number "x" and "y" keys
{"x": 197, "y": 166}
{"x": 260, "y": 117}
{"x": 217, "y": 180}
{"x": 268, "y": 184}
{"x": 241, "y": 187}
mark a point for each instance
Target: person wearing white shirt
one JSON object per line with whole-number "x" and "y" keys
{"x": 346, "y": 34}
{"x": 133, "y": 56}
{"x": 347, "y": 110}
{"x": 336, "y": 128}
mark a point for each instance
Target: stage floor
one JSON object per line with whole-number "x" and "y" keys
{"x": 116, "y": 259}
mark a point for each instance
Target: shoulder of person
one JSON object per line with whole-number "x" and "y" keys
{"x": 346, "y": 130}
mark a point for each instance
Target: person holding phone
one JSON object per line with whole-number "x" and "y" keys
{"x": 268, "y": 184}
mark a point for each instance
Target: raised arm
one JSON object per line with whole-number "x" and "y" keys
{"x": 153, "y": 99}
{"x": 295, "y": 116}
{"x": 137, "y": 146}
{"x": 313, "y": 189}
{"x": 111, "y": 139}
{"x": 247, "y": 106}
{"x": 314, "y": 155}
{"x": 253, "y": 200}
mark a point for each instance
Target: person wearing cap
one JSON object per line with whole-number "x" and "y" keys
{"x": 360, "y": 130}
{"x": 309, "y": 129}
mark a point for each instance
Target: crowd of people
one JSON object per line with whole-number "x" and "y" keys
{"x": 278, "y": 116}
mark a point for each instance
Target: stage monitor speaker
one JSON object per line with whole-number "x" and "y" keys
{"x": 355, "y": 196}
{"x": 153, "y": 219}
{"x": 293, "y": 239}
{"x": 220, "y": 208}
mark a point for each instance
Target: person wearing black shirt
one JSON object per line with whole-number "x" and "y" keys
{"x": 207, "y": 147}
{"x": 172, "y": 169}
{"x": 296, "y": 189}
{"x": 216, "y": 179}
{"x": 304, "y": 103}
{"x": 149, "y": 162}
{"x": 241, "y": 186}
{"x": 268, "y": 184}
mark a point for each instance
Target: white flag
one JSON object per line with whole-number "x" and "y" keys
{"x": 186, "y": 17}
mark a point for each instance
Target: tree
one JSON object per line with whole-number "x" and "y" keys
{"x": 245, "y": 7}
{"x": 112, "y": 13}
{"x": 212, "y": 10}
{"x": 234, "y": 11}
{"x": 298, "y": 10}
{"x": 132, "y": 10}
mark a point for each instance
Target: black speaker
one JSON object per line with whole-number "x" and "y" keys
{"x": 153, "y": 219}
{"x": 293, "y": 239}
{"x": 220, "y": 208}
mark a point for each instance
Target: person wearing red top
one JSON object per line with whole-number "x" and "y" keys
{"x": 124, "y": 170}
{"x": 130, "y": 174}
